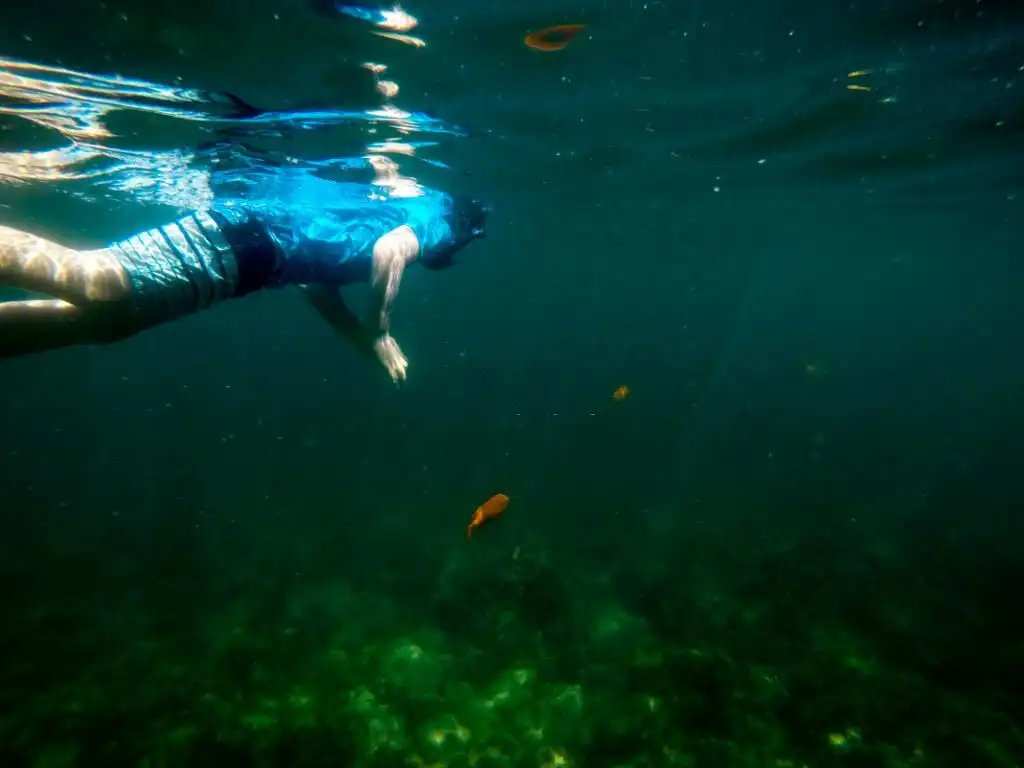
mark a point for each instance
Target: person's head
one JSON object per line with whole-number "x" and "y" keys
{"x": 467, "y": 220}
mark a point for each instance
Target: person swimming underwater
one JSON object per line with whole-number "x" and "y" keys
{"x": 288, "y": 229}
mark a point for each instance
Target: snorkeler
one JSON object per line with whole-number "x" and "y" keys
{"x": 285, "y": 230}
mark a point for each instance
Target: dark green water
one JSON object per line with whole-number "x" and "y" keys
{"x": 229, "y": 542}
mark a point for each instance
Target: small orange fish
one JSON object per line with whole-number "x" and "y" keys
{"x": 489, "y": 510}
{"x": 552, "y": 38}
{"x": 620, "y": 394}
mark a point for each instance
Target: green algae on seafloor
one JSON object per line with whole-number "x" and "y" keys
{"x": 417, "y": 670}
{"x": 377, "y": 728}
{"x": 56, "y": 756}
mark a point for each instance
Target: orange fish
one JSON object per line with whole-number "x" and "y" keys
{"x": 489, "y": 510}
{"x": 620, "y": 394}
{"x": 552, "y": 38}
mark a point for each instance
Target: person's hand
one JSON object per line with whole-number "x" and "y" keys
{"x": 391, "y": 357}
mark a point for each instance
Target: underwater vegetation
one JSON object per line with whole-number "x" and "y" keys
{"x": 813, "y": 655}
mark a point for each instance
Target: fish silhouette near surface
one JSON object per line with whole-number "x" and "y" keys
{"x": 620, "y": 394}
{"x": 489, "y": 510}
{"x": 552, "y": 38}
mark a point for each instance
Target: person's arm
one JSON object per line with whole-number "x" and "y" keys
{"x": 329, "y": 303}
{"x": 391, "y": 254}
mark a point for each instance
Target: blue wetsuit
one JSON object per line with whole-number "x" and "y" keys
{"x": 285, "y": 230}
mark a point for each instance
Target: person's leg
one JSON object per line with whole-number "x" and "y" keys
{"x": 89, "y": 290}
{"x": 78, "y": 277}
{"x": 150, "y": 278}
{"x": 39, "y": 325}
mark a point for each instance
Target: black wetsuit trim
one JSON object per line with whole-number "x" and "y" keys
{"x": 255, "y": 253}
